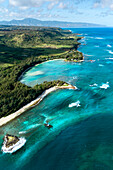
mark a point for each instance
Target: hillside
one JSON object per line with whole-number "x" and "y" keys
{"x": 19, "y": 43}
{"x": 23, "y": 48}
{"x": 62, "y": 24}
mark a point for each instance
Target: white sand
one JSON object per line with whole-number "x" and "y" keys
{"x": 50, "y": 60}
{"x": 35, "y": 102}
{"x": 35, "y": 73}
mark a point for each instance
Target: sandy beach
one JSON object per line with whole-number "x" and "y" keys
{"x": 32, "y": 104}
{"x": 37, "y": 71}
{"x": 49, "y": 61}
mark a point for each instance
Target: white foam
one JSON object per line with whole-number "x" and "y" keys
{"x": 93, "y": 85}
{"x": 77, "y": 104}
{"x": 14, "y": 147}
{"x": 109, "y": 58}
{"x": 97, "y": 46}
{"x": 99, "y": 38}
{"x": 109, "y": 46}
{"x": 91, "y": 37}
{"x": 88, "y": 55}
{"x": 76, "y": 88}
{"x": 111, "y": 52}
{"x": 105, "y": 86}
{"x": 75, "y": 77}
{"x": 22, "y": 132}
{"x": 33, "y": 126}
{"x": 35, "y": 73}
{"x": 101, "y": 65}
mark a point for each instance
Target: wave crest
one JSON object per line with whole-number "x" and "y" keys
{"x": 77, "y": 104}
{"x": 14, "y": 147}
{"x": 105, "y": 85}
{"x": 109, "y": 46}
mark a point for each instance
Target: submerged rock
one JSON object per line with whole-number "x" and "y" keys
{"x": 48, "y": 125}
{"x": 12, "y": 143}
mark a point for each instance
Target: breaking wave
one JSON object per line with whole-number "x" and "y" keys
{"x": 22, "y": 132}
{"x": 110, "y": 52}
{"x": 109, "y": 46}
{"x": 93, "y": 85}
{"x": 32, "y": 126}
{"x": 88, "y": 55}
{"x": 14, "y": 147}
{"x": 99, "y": 38}
{"x": 101, "y": 65}
{"x": 77, "y": 104}
{"x": 109, "y": 58}
{"x": 75, "y": 77}
{"x": 105, "y": 85}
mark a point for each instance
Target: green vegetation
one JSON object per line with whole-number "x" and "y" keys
{"x": 23, "y": 47}
{"x": 74, "y": 55}
{"x": 10, "y": 140}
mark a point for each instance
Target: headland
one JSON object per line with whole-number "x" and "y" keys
{"x": 23, "y": 48}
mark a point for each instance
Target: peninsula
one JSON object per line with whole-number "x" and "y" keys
{"x": 22, "y": 48}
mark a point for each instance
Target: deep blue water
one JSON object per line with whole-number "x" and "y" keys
{"x": 81, "y": 137}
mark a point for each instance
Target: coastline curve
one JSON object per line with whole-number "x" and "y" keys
{"x": 5, "y": 120}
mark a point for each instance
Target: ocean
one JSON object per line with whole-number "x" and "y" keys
{"x": 81, "y": 137}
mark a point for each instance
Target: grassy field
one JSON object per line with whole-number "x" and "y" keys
{"x": 17, "y": 45}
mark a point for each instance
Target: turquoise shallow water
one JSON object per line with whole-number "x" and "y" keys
{"x": 81, "y": 137}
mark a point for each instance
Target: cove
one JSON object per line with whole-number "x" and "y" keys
{"x": 81, "y": 134}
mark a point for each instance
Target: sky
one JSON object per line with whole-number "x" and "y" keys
{"x": 90, "y": 11}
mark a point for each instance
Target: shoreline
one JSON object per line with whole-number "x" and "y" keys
{"x": 5, "y": 120}
{"x": 20, "y": 77}
{"x": 50, "y": 60}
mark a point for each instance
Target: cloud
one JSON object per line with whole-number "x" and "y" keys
{"x": 36, "y": 14}
{"x": 52, "y": 4}
{"x": 32, "y": 3}
{"x": 62, "y": 5}
{"x": 25, "y": 3}
{"x": 104, "y": 4}
{"x": 4, "y": 10}
{"x": 96, "y": 4}
{"x": 2, "y": 1}
{"x": 111, "y": 6}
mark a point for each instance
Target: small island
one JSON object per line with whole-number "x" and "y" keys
{"x": 22, "y": 48}
{"x": 12, "y": 143}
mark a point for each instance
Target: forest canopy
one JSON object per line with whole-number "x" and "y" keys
{"x": 22, "y": 48}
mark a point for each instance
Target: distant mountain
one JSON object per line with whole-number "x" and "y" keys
{"x": 62, "y": 24}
